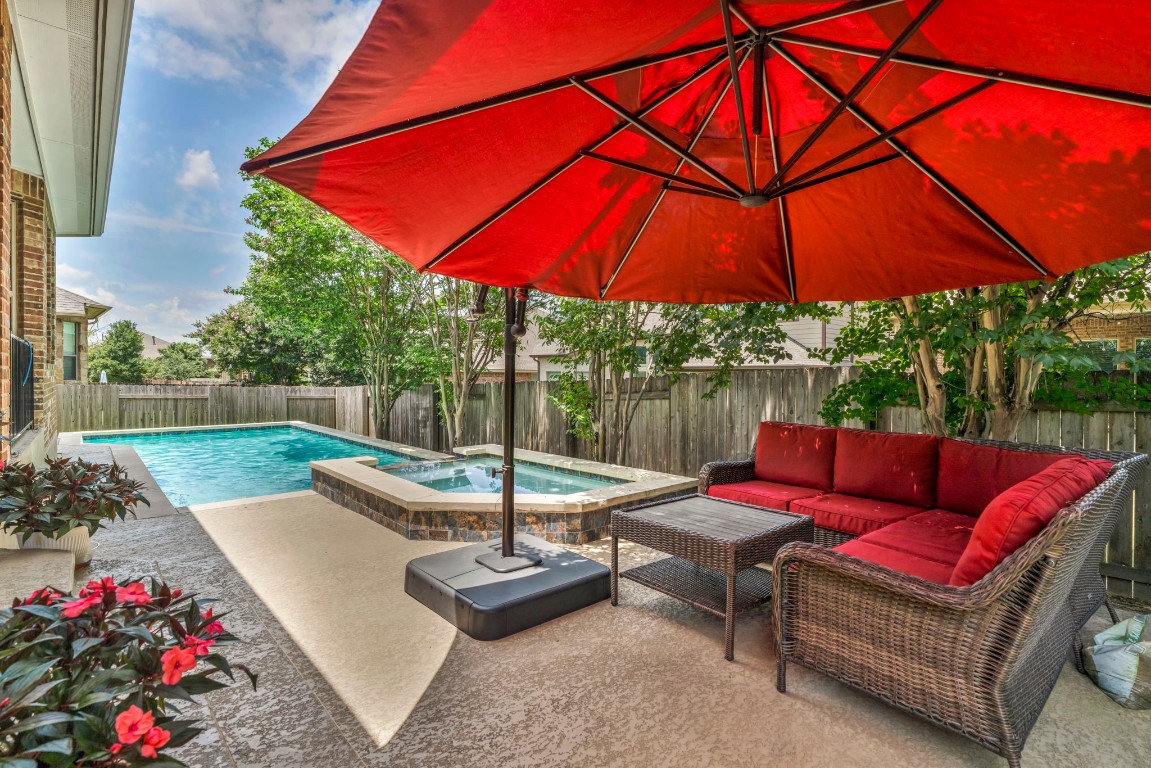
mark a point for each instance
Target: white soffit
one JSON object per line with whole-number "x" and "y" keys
{"x": 71, "y": 54}
{"x": 25, "y": 150}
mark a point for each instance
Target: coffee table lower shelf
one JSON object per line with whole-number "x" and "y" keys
{"x": 703, "y": 587}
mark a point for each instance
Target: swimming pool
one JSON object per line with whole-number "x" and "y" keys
{"x": 474, "y": 475}
{"x": 205, "y": 465}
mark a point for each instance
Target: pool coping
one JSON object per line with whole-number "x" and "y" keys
{"x": 416, "y": 511}
{"x": 77, "y": 438}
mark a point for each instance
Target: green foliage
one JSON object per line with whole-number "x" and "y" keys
{"x": 179, "y": 361}
{"x": 322, "y": 281}
{"x": 120, "y": 353}
{"x": 249, "y": 347}
{"x": 88, "y": 681}
{"x": 601, "y": 339}
{"x": 65, "y": 494}
{"x": 976, "y": 359}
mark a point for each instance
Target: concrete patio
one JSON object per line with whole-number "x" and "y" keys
{"x": 355, "y": 673}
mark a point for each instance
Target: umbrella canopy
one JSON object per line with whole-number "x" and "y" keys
{"x": 715, "y": 151}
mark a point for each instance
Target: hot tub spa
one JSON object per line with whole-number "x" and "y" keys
{"x": 563, "y": 500}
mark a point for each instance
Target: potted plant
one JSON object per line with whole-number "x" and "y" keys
{"x": 88, "y": 681}
{"x": 62, "y": 504}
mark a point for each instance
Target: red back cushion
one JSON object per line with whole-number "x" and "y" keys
{"x": 795, "y": 454}
{"x": 1023, "y": 510}
{"x": 971, "y": 475}
{"x": 886, "y": 466}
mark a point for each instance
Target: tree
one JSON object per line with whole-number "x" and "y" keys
{"x": 247, "y": 347}
{"x": 461, "y": 344}
{"x": 120, "y": 354}
{"x": 179, "y": 361}
{"x": 315, "y": 273}
{"x": 613, "y": 350}
{"x": 977, "y": 356}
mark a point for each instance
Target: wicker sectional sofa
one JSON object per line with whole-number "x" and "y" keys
{"x": 903, "y": 597}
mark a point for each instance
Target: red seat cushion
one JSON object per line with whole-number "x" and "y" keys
{"x": 851, "y": 514}
{"x": 795, "y": 454}
{"x": 903, "y": 562}
{"x": 880, "y": 465}
{"x": 971, "y": 475}
{"x": 944, "y": 518}
{"x": 932, "y": 541}
{"x": 1019, "y": 513}
{"x": 762, "y": 493}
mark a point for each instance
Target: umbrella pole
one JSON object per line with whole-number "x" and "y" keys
{"x": 515, "y": 306}
{"x": 509, "y": 469}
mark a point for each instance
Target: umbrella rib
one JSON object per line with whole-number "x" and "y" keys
{"x": 741, "y": 115}
{"x": 844, "y": 10}
{"x": 999, "y": 75}
{"x": 918, "y": 162}
{"x": 883, "y": 137}
{"x": 257, "y": 165}
{"x": 849, "y": 98}
{"x": 670, "y": 177}
{"x": 835, "y": 175}
{"x": 785, "y": 228}
{"x": 555, "y": 172}
{"x": 659, "y": 198}
{"x": 655, "y": 135}
{"x": 693, "y": 191}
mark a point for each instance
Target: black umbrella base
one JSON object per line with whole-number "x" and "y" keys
{"x": 486, "y": 604}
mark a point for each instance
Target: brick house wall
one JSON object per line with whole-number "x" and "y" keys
{"x": 1125, "y": 328}
{"x": 5, "y": 220}
{"x": 35, "y": 253}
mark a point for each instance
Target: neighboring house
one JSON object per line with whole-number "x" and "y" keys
{"x": 537, "y": 360}
{"x": 75, "y": 317}
{"x": 61, "y": 79}
{"x": 152, "y": 345}
{"x": 1113, "y": 328}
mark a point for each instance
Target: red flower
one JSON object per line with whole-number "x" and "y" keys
{"x": 134, "y": 593}
{"x": 198, "y": 645}
{"x": 213, "y": 627}
{"x": 99, "y": 587}
{"x": 115, "y": 748}
{"x": 176, "y": 593}
{"x": 76, "y": 606}
{"x": 155, "y": 739}
{"x": 133, "y": 723}
{"x": 176, "y": 662}
{"x": 40, "y": 595}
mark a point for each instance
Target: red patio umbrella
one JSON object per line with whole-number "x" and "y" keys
{"x": 721, "y": 151}
{"x": 867, "y": 149}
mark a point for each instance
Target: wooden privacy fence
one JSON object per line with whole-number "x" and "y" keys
{"x": 84, "y": 407}
{"x": 677, "y": 430}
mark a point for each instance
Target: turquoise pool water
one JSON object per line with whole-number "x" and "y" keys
{"x": 202, "y": 466}
{"x": 474, "y": 476}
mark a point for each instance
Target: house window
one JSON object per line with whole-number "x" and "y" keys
{"x": 1103, "y": 351}
{"x": 1143, "y": 349}
{"x": 71, "y": 351}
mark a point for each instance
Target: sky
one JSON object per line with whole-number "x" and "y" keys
{"x": 204, "y": 80}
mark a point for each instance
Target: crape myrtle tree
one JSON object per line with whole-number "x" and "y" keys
{"x": 461, "y": 344}
{"x": 120, "y": 354}
{"x": 314, "y": 272}
{"x": 613, "y": 350}
{"x": 975, "y": 360}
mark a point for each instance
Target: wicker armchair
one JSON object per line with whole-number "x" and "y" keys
{"x": 979, "y": 660}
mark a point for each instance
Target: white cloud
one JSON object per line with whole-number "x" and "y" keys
{"x": 301, "y": 43}
{"x": 199, "y": 170}
{"x": 69, "y": 274}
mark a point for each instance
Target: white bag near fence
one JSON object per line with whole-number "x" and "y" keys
{"x": 1119, "y": 661}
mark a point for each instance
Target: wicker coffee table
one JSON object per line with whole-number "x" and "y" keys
{"x": 714, "y": 547}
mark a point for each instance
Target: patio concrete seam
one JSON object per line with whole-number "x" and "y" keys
{"x": 303, "y": 675}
